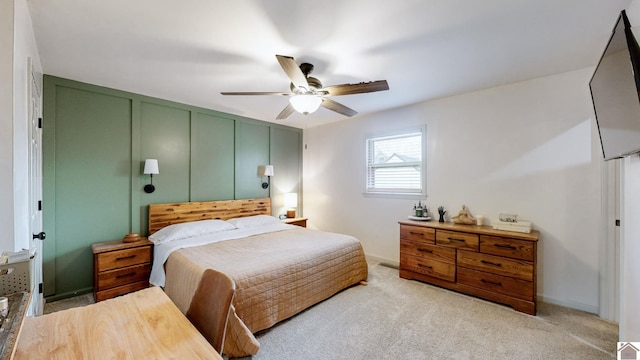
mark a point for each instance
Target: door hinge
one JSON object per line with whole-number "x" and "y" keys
{"x": 40, "y": 288}
{"x": 39, "y": 205}
{"x": 39, "y": 123}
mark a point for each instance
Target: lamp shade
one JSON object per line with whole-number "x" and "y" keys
{"x": 268, "y": 170}
{"x": 291, "y": 200}
{"x": 305, "y": 103}
{"x": 151, "y": 166}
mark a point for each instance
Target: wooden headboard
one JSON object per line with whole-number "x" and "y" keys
{"x": 162, "y": 215}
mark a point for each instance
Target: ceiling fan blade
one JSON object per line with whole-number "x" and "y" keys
{"x": 255, "y": 93}
{"x": 293, "y": 71}
{"x": 363, "y": 87}
{"x": 337, "y": 107}
{"x": 288, "y": 110}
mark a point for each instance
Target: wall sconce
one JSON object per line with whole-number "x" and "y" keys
{"x": 291, "y": 202}
{"x": 150, "y": 168}
{"x": 268, "y": 172}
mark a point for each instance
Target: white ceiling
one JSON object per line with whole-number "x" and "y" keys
{"x": 190, "y": 50}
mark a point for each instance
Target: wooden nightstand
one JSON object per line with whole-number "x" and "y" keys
{"x": 120, "y": 268}
{"x": 299, "y": 221}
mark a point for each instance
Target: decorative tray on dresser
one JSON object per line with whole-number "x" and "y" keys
{"x": 495, "y": 265}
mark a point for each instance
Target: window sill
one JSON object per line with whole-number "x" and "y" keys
{"x": 394, "y": 196}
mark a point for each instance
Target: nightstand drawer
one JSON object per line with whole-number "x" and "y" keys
{"x": 120, "y": 290}
{"x": 417, "y": 233}
{"x": 123, "y": 276}
{"x": 121, "y": 258}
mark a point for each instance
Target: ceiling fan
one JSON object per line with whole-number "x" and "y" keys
{"x": 307, "y": 92}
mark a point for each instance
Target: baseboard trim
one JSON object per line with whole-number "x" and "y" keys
{"x": 570, "y": 304}
{"x": 67, "y": 295}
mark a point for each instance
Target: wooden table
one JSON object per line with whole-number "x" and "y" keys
{"x": 140, "y": 325}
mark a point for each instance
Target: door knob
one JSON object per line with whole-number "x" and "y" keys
{"x": 41, "y": 235}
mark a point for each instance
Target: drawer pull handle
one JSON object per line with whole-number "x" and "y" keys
{"x": 454, "y": 239}
{"x": 425, "y": 250}
{"x": 416, "y": 233}
{"x": 426, "y": 266}
{"x": 126, "y": 275}
{"x": 125, "y": 257}
{"x": 490, "y": 263}
{"x": 491, "y": 282}
{"x": 510, "y": 247}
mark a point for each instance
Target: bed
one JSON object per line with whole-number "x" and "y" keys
{"x": 279, "y": 269}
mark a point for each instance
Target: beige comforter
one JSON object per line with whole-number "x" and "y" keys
{"x": 277, "y": 275}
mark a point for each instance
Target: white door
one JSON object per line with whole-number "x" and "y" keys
{"x": 35, "y": 185}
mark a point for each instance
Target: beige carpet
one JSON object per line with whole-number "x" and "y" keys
{"x": 392, "y": 318}
{"x": 76, "y": 301}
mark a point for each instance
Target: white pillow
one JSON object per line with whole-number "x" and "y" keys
{"x": 189, "y": 229}
{"x": 253, "y": 221}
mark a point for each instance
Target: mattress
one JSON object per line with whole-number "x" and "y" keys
{"x": 277, "y": 275}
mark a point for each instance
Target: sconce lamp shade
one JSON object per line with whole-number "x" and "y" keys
{"x": 268, "y": 170}
{"x": 151, "y": 166}
{"x": 305, "y": 103}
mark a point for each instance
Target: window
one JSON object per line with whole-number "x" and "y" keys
{"x": 395, "y": 163}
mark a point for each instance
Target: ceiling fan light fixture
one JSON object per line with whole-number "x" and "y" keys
{"x": 305, "y": 103}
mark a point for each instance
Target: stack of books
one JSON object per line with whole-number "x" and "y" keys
{"x": 519, "y": 226}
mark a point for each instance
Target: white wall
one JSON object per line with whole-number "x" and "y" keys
{"x": 529, "y": 148}
{"x": 6, "y": 125}
{"x": 630, "y": 231}
{"x": 16, "y": 34}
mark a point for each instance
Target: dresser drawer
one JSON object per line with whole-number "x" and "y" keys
{"x": 417, "y": 233}
{"x": 427, "y": 251}
{"x": 497, "y": 283}
{"x": 429, "y": 267}
{"x": 496, "y": 265}
{"x": 458, "y": 240}
{"x": 512, "y": 248}
{"x": 123, "y": 276}
{"x": 121, "y": 258}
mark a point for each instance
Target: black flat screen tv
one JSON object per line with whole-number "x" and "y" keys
{"x": 615, "y": 91}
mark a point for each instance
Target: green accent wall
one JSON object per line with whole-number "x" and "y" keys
{"x": 95, "y": 140}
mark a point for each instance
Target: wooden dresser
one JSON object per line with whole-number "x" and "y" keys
{"x": 476, "y": 260}
{"x": 120, "y": 268}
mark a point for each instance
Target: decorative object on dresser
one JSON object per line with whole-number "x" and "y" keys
{"x": 441, "y": 212}
{"x": 476, "y": 260}
{"x": 420, "y": 212}
{"x": 120, "y": 267}
{"x": 464, "y": 217}
{"x": 299, "y": 221}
